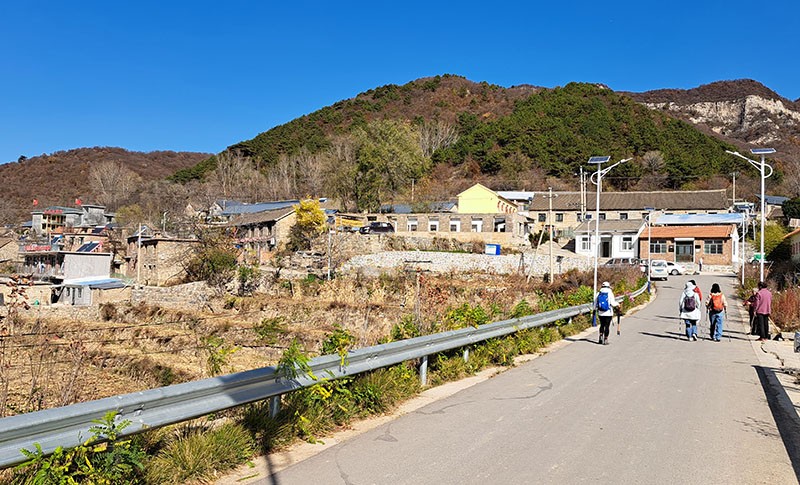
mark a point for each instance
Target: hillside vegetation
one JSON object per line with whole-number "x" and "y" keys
{"x": 61, "y": 177}
{"x": 513, "y": 137}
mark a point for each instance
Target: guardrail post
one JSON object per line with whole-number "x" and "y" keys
{"x": 274, "y": 405}
{"x": 423, "y": 371}
{"x": 466, "y": 354}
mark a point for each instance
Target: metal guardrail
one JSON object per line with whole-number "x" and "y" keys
{"x": 69, "y": 426}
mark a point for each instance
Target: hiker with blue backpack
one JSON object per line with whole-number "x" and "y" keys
{"x": 604, "y": 305}
{"x": 690, "y": 312}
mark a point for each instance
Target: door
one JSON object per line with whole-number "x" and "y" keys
{"x": 605, "y": 248}
{"x": 684, "y": 251}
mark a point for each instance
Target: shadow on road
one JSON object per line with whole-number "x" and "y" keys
{"x": 783, "y": 412}
{"x": 668, "y": 335}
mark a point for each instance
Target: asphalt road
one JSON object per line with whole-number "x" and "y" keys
{"x": 649, "y": 408}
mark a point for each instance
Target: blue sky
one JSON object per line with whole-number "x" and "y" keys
{"x": 202, "y": 75}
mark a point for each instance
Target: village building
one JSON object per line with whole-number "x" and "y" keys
{"x": 58, "y": 220}
{"x": 715, "y": 244}
{"x": 618, "y": 238}
{"x": 158, "y": 260}
{"x": 260, "y": 233}
{"x": 794, "y": 245}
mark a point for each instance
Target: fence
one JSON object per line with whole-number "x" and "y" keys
{"x": 69, "y": 426}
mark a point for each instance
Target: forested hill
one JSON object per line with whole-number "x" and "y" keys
{"x": 61, "y": 177}
{"x": 501, "y": 131}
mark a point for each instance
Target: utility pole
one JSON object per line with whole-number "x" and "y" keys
{"x": 550, "y": 233}
{"x": 734, "y": 174}
{"x": 139, "y": 256}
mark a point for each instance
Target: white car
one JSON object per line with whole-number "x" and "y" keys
{"x": 658, "y": 269}
{"x": 674, "y": 268}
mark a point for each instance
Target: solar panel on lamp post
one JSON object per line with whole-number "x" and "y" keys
{"x": 762, "y": 168}
{"x": 598, "y": 175}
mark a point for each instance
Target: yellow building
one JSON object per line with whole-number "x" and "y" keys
{"x": 482, "y": 200}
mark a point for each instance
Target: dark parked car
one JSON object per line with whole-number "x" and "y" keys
{"x": 376, "y": 228}
{"x": 626, "y": 263}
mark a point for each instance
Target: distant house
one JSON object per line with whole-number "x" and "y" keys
{"x": 716, "y": 244}
{"x": 57, "y": 219}
{"x": 482, "y": 200}
{"x": 9, "y": 252}
{"x": 618, "y": 239}
{"x": 158, "y": 260}
{"x": 794, "y": 244}
{"x": 260, "y": 233}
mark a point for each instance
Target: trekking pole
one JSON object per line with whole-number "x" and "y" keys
{"x": 619, "y": 315}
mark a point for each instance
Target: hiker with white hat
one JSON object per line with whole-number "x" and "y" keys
{"x": 604, "y": 305}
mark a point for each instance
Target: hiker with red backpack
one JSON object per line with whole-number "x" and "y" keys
{"x": 604, "y": 305}
{"x": 689, "y": 308}
{"x": 717, "y": 311}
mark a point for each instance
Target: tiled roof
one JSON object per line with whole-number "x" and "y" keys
{"x": 233, "y": 210}
{"x": 699, "y": 232}
{"x": 636, "y": 201}
{"x": 630, "y": 225}
{"x": 267, "y": 216}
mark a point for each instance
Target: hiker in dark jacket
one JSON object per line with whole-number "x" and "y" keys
{"x": 717, "y": 308}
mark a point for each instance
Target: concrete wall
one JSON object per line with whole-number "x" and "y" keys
{"x": 83, "y": 265}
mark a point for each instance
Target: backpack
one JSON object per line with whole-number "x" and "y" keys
{"x": 716, "y": 303}
{"x": 690, "y": 304}
{"x": 602, "y": 302}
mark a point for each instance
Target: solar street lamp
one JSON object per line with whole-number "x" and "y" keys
{"x": 762, "y": 169}
{"x": 597, "y": 179}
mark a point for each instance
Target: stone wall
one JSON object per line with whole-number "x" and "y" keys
{"x": 188, "y": 295}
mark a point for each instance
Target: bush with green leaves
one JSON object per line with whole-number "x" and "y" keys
{"x": 103, "y": 458}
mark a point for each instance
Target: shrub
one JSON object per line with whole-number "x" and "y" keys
{"x": 786, "y": 309}
{"x": 198, "y": 453}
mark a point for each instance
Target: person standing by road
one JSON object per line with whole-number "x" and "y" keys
{"x": 689, "y": 308}
{"x": 750, "y": 304}
{"x": 763, "y": 309}
{"x": 717, "y": 308}
{"x": 604, "y": 305}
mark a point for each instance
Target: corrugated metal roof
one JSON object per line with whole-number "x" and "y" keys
{"x": 637, "y": 201}
{"x": 94, "y": 282}
{"x": 239, "y": 209}
{"x": 700, "y": 232}
{"x": 689, "y": 219}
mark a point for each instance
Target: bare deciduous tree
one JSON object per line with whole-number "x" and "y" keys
{"x": 436, "y": 134}
{"x": 113, "y": 183}
{"x": 653, "y": 161}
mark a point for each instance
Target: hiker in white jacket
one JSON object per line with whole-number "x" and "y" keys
{"x": 604, "y": 305}
{"x": 689, "y": 308}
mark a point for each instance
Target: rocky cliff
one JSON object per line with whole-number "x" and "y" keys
{"x": 744, "y": 112}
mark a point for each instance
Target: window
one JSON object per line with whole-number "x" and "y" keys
{"x": 644, "y": 215}
{"x": 713, "y": 246}
{"x": 623, "y": 216}
{"x": 455, "y": 226}
{"x": 542, "y": 217}
{"x": 578, "y": 217}
{"x": 477, "y": 225}
{"x": 658, "y": 246}
{"x": 588, "y": 216}
{"x": 412, "y": 224}
{"x": 559, "y": 217}
{"x": 499, "y": 224}
{"x": 585, "y": 244}
{"x": 627, "y": 243}
{"x": 433, "y": 225}
{"x": 602, "y": 216}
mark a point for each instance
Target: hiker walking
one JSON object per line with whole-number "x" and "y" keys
{"x": 689, "y": 308}
{"x": 717, "y": 308}
{"x": 763, "y": 308}
{"x": 604, "y": 304}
